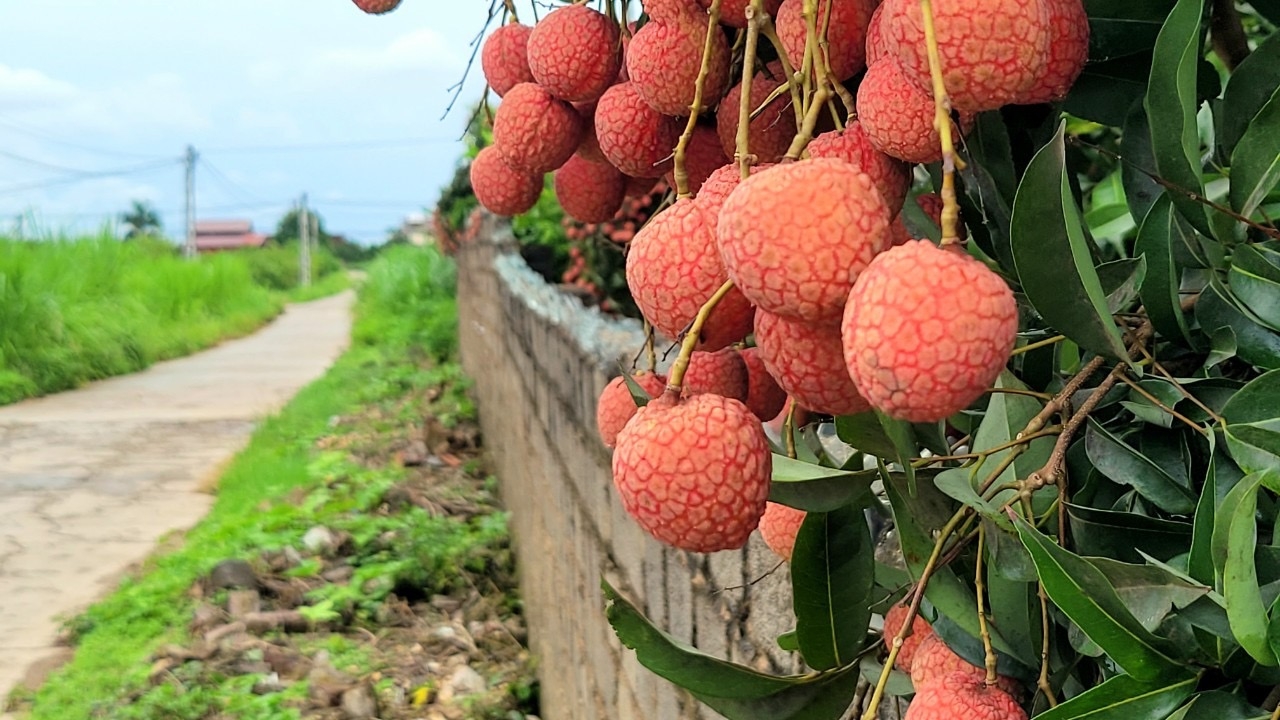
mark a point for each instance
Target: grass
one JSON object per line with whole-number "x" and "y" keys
{"x": 406, "y": 305}
{"x": 77, "y": 310}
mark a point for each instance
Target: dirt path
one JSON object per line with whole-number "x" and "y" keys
{"x": 91, "y": 479}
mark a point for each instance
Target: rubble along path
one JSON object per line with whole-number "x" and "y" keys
{"x": 90, "y": 479}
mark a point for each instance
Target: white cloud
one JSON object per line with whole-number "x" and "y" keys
{"x": 23, "y": 89}
{"x": 422, "y": 49}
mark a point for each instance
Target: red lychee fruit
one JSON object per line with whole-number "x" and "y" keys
{"x": 769, "y": 133}
{"x": 589, "y": 192}
{"x": 534, "y": 131}
{"x": 635, "y": 138}
{"x": 793, "y": 238}
{"x": 701, "y": 158}
{"x": 890, "y": 175}
{"x": 589, "y": 148}
{"x": 992, "y": 51}
{"x": 664, "y": 59}
{"x": 779, "y": 527}
{"x": 694, "y": 472}
{"x": 1068, "y": 51}
{"x": 505, "y": 59}
{"x": 616, "y": 406}
{"x": 377, "y": 7}
{"x": 927, "y": 330}
{"x": 668, "y": 10}
{"x": 720, "y": 184}
{"x": 931, "y": 204}
{"x": 734, "y": 12}
{"x": 958, "y": 695}
{"x": 575, "y": 53}
{"x": 807, "y": 360}
{"x": 673, "y": 268}
{"x": 898, "y": 116}
{"x": 765, "y": 397}
{"x": 722, "y": 372}
{"x": 920, "y": 631}
{"x": 501, "y": 189}
{"x": 846, "y": 33}
{"x": 934, "y": 663}
{"x": 898, "y": 231}
{"x": 876, "y": 47}
{"x": 637, "y": 186}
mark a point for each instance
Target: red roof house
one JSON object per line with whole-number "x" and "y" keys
{"x": 218, "y": 235}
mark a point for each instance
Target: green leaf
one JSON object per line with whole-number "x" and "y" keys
{"x": 1105, "y": 90}
{"x": 1149, "y": 592}
{"x": 903, "y": 436}
{"x": 1219, "y": 705}
{"x": 737, "y": 692}
{"x": 1123, "y": 535}
{"x": 1255, "y": 164}
{"x": 1251, "y": 429}
{"x": 1117, "y": 29}
{"x": 1120, "y": 281}
{"x": 1171, "y": 97}
{"x": 1085, "y": 596}
{"x": 1123, "y": 464}
{"x": 1260, "y": 295}
{"x": 865, "y": 433}
{"x": 1245, "y": 608}
{"x": 1255, "y": 344}
{"x": 1141, "y": 191}
{"x": 956, "y": 483}
{"x": 815, "y": 488}
{"x": 788, "y": 642}
{"x": 832, "y": 573}
{"x": 1200, "y": 557}
{"x": 989, "y": 182}
{"x": 1125, "y": 698}
{"x": 638, "y": 394}
{"x": 1251, "y": 86}
{"x": 1159, "y": 290}
{"x": 1053, "y": 259}
{"x": 1007, "y": 414}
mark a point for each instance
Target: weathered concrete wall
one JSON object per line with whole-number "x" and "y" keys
{"x": 539, "y": 360}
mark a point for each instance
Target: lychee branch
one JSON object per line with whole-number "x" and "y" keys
{"x": 675, "y": 379}
{"x": 754, "y": 11}
{"x": 682, "y": 147}
{"x": 1042, "y": 681}
{"x": 768, "y": 29}
{"x": 942, "y": 119}
{"x": 980, "y": 589}
{"x": 815, "y": 59}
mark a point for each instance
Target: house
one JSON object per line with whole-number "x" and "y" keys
{"x": 218, "y": 235}
{"x": 416, "y": 228}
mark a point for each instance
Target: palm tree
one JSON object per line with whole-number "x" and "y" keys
{"x": 141, "y": 219}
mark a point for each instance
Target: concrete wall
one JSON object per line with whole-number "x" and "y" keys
{"x": 539, "y": 360}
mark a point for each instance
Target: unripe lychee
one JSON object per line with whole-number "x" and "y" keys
{"x": 765, "y": 397}
{"x": 673, "y": 268}
{"x": 534, "y": 131}
{"x": 589, "y": 192}
{"x": 1068, "y": 51}
{"x": 719, "y": 185}
{"x": 992, "y": 51}
{"x": 927, "y": 330}
{"x": 664, "y": 59}
{"x": 616, "y": 406}
{"x": 846, "y": 33}
{"x": 807, "y": 360}
{"x": 960, "y": 696}
{"x": 920, "y": 631}
{"x": 734, "y": 12}
{"x": 898, "y": 116}
{"x": 695, "y": 472}
{"x": 795, "y": 237}
{"x": 701, "y": 158}
{"x": 722, "y": 372}
{"x": 377, "y": 7}
{"x": 769, "y": 133}
{"x": 505, "y": 59}
{"x": 779, "y": 527}
{"x": 501, "y": 189}
{"x": 637, "y": 139}
{"x": 890, "y": 175}
{"x": 575, "y": 53}
{"x": 934, "y": 662}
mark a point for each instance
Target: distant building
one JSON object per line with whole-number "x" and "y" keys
{"x": 219, "y": 235}
{"x": 417, "y": 229}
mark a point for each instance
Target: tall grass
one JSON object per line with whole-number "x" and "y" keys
{"x": 409, "y": 301}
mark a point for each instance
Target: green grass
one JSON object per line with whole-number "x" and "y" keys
{"x": 116, "y": 636}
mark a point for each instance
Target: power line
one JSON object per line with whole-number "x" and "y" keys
{"x": 227, "y": 183}
{"x": 40, "y": 134}
{"x": 39, "y": 163}
{"x": 89, "y": 175}
{"x": 357, "y": 145}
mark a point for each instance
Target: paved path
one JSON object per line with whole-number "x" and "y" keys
{"x": 91, "y": 479}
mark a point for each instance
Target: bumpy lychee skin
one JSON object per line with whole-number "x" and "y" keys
{"x": 771, "y": 131}
{"x": 722, "y": 372}
{"x": 934, "y": 662}
{"x": 637, "y": 186}
{"x": 534, "y": 131}
{"x": 898, "y": 116}
{"x": 1068, "y": 50}
{"x": 890, "y": 175}
{"x": 795, "y": 237}
{"x": 694, "y": 473}
{"x": 701, "y": 158}
{"x": 846, "y": 33}
{"x": 898, "y": 232}
{"x": 589, "y": 192}
{"x": 765, "y": 397}
{"x": 876, "y": 46}
{"x": 575, "y": 53}
{"x": 589, "y": 147}
{"x": 636, "y": 139}
{"x": 616, "y": 406}
{"x": 960, "y": 696}
{"x": 377, "y": 7}
{"x": 501, "y": 189}
{"x": 779, "y": 527}
{"x": 664, "y": 58}
{"x": 720, "y": 184}
{"x": 927, "y": 330}
{"x": 807, "y": 360}
{"x": 920, "y": 631}
{"x": 734, "y": 12}
{"x": 991, "y": 50}
{"x": 505, "y": 58}
{"x": 673, "y": 268}
{"x": 668, "y": 10}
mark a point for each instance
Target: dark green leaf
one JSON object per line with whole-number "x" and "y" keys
{"x": 1250, "y": 87}
{"x": 1245, "y": 607}
{"x": 1159, "y": 290}
{"x": 638, "y": 394}
{"x": 1117, "y": 29}
{"x": 903, "y": 436}
{"x": 1200, "y": 557}
{"x": 990, "y": 182}
{"x": 1117, "y": 460}
{"x": 1149, "y": 591}
{"x": 1015, "y": 604}
{"x": 1258, "y": 294}
{"x": 957, "y": 484}
{"x": 1253, "y": 434}
{"x": 816, "y": 488}
{"x": 788, "y": 642}
{"x": 899, "y": 682}
{"x": 1007, "y": 415}
{"x": 1255, "y": 164}
{"x": 832, "y": 573}
{"x": 1123, "y": 535}
{"x": 1125, "y": 698}
{"x": 1254, "y": 344}
{"x": 1218, "y": 705}
{"x": 865, "y": 433}
{"x": 1053, "y": 259}
{"x": 1120, "y": 281}
{"x": 1105, "y": 90}
{"x": 1140, "y": 191}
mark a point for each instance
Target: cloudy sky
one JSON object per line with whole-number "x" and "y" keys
{"x": 99, "y": 98}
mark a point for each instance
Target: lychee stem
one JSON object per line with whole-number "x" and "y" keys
{"x": 682, "y": 147}
{"x": 675, "y": 380}
{"x": 816, "y": 59}
{"x": 789, "y": 430}
{"x": 771, "y": 32}
{"x": 1043, "y": 681}
{"x": 510, "y": 6}
{"x": 980, "y": 590}
{"x": 754, "y": 12}
{"x": 942, "y": 120}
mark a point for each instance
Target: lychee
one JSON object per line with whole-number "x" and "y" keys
{"x": 734, "y": 12}
{"x": 935, "y": 662}
{"x": 846, "y": 23}
{"x": 1068, "y": 49}
{"x": 765, "y": 397}
{"x": 664, "y": 59}
{"x": 722, "y": 372}
{"x": 769, "y": 133}
{"x": 589, "y": 192}
{"x": 958, "y": 695}
{"x": 377, "y": 7}
{"x": 898, "y": 231}
{"x": 890, "y": 175}
{"x": 898, "y": 116}
{"x": 505, "y": 59}
{"x": 501, "y": 189}
{"x": 795, "y": 237}
{"x": 701, "y": 158}
{"x": 616, "y": 406}
{"x": 694, "y": 472}
{"x": 635, "y": 138}
{"x": 876, "y": 47}
{"x": 575, "y": 53}
{"x": 720, "y": 184}
{"x": 668, "y": 10}
{"x": 920, "y": 631}
{"x": 589, "y": 147}
{"x": 673, "y": 268}
{"x": 637, "y": 186}
{"x": 534, "y": 131}
{"x": 927, "y": 330}
{"x": 807, "y": 360}
{"x": 779, "y": 527}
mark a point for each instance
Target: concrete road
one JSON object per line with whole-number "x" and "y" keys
{"x": 91, "y": 479}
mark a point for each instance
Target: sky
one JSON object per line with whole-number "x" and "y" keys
{"x": 100, "y": 98}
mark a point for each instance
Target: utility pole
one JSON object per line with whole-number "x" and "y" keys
{"x": 189, "y": 248}
{"x": 304, "y": 243}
